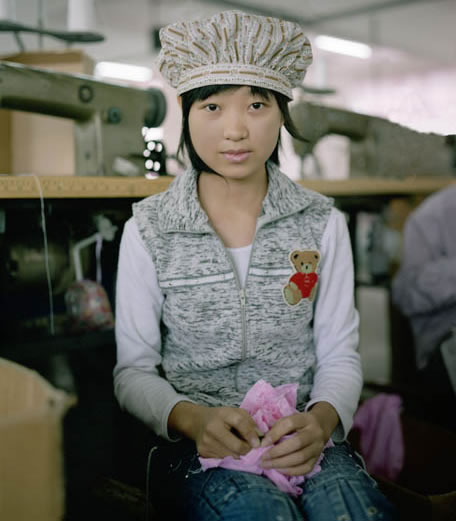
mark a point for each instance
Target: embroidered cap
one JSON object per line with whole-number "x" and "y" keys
{"x": 234, "y": 48}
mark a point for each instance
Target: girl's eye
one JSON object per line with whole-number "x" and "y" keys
{"x": 257, "y": 105}
{"x": 212, "y": 107}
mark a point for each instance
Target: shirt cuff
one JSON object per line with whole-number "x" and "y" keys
{"x": 343, "y": 427}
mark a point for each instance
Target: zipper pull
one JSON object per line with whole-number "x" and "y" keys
{"x": 242, "y": 296}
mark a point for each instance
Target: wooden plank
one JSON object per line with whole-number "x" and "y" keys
{"x": 60, "y": 187}
{"x": 375, "y": 186}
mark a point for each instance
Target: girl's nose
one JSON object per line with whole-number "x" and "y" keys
{"x": 235, "y": 128}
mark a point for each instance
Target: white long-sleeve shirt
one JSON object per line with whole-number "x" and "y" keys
{"x": 146, "y": 394}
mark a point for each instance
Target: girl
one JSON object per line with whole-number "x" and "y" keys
{"x": 214, "y": 293}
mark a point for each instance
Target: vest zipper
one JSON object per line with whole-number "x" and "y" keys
{"x": 242, "y": 299}
{"x": 242, "y": 293}
{"x": 244, "y": 322}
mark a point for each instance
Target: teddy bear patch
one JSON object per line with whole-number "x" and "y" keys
{"x": 303, "y": 283}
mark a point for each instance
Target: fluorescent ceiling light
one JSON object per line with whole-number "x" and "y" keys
{"x": 341, "y": 46}
{"x": 123, "y": 71}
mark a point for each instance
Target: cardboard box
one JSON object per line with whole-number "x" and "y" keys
{"x": 31, "y": 459}
{"x": 34, "y": 143}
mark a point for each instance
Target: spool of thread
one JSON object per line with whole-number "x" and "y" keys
{"x": 5, "y": 9}
{"x": 81, "y": 15}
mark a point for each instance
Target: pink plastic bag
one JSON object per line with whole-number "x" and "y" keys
{"x": 266, "y": 405}
{"x": 381, "y": 440}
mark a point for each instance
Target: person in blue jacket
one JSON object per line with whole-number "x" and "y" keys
{"x": 424, "y": 290}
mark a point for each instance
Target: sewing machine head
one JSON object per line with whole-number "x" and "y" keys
{"x": 378, "y": 147}
{"x": 108, "y": 117}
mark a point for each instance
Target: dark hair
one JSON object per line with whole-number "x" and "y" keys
{"x": 202, "y": 93}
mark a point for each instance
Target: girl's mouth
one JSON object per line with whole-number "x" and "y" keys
{"x": 236, "y": 157}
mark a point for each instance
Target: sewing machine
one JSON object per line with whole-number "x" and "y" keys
{"x": 378, "y": 147}
{"x": 108, "y": 118}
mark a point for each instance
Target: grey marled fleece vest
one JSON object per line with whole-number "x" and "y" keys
{"x": 217, "y": 338}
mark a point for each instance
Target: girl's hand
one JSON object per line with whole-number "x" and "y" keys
{"x": 298, "y": 454}
{"x": 217, "y": 431}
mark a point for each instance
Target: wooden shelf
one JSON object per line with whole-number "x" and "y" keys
{"x": 64, "y": 187}
{"x": 61, "y": 187}
{"x": 371, "y": 186}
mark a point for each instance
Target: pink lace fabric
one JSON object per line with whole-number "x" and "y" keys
{"x": 266, "y": 405}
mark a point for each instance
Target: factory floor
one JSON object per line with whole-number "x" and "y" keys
{"x": 88, "y": 430}
{"x": 101, "y": 443}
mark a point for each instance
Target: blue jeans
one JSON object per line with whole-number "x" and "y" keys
{"x": 341, "y": 491}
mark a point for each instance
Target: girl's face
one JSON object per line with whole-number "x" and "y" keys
{"x": 234, "y": 132}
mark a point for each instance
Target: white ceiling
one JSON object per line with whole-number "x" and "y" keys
{"x": 426, "y": 29}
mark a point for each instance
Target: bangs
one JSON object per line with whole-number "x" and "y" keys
{"x": 202, "y": 93}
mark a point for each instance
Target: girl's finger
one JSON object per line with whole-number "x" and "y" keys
{"x": 282, "y": 427}
{"x": 287, "y": 446}
{"x": 215, "y": 449}
{"x": 230, "y": 437}
{"x": 299, "y": 470}
{"x": 243, "y": 424}
{"x": 291, "y": 459}
{"x": 235, "y": 444}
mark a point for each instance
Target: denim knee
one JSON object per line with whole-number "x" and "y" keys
{"x": 239, "y": 496}
{"x": 344, "y": 491}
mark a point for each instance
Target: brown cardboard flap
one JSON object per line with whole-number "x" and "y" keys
{"x": 31, "y": 455}
{"x": 24, "y": 393}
